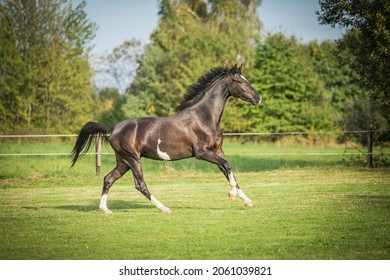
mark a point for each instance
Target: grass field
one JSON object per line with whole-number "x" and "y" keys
{"x": 307, "y": 207}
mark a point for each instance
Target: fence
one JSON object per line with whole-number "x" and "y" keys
{"x": 98, "y": 152}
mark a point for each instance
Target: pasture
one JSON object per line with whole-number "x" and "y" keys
{"x": 307, "y": 207}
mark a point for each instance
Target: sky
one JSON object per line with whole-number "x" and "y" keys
{"x": 120, "y": 20}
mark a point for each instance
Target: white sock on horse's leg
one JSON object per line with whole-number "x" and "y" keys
{"x": 237, "y": 191}
{"x": 159, "y": 205}
{"x": 233, "y": 184}
{"x": 247, "y": 200}
{"x": 103, "y": 204}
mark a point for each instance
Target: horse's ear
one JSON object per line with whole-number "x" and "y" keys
{"x": 240, "y": 68}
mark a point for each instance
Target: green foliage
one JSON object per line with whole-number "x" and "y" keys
{"x": 368, "y": 40}
{"x": 365, "y": 48}
{"x": 294, "y": 97}
{"x": 45, "y": 72}
{"x": 109, "y": 106}
{"x": 340, "y": 81}
{"x": 363, "y": 114}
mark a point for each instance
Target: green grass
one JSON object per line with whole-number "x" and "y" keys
{"x": 306, "y": 208}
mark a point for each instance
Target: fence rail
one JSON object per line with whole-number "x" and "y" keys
{"x": 98, "y": 152}
{"x": 296, "y": 133}
{"x": 37, "y": 135}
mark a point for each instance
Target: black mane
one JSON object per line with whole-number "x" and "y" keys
{"x": 196, "y": 91}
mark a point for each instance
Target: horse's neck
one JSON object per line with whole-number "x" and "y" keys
{"x": 213, "y": 104}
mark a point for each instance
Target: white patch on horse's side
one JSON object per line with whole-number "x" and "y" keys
{"x": 159, "y": 205}
{"x": 161, "y": 154}
{"x": 244, "y": 78}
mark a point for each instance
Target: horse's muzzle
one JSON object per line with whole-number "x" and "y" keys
{"x": 256, "y": 99}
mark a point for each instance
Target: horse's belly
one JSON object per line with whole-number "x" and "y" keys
{"x": 168, "y": 152}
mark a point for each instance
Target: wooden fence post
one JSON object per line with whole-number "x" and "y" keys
{"x": 98, "y": 156}
{"x": 369, "y": 147}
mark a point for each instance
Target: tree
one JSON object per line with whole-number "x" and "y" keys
{"x": 353, "y": 111}
{"x": 110, "y": 103}
{"x": 368, "y": 40}
{"x": 118, "y": 68}
{"x": 44, "y": 67}
{"x": 294, "y": 97}
{"x": 361, "y": 114}
{"x": 192, "y": 36}
{"x": 366, "y": 49}
{"x": 340, "y": 81}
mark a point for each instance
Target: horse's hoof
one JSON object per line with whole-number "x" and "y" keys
{"x": 232, "y": 196}
{"x": 166, "y": 210}
{"x": 249, "y": 203}
{"x": 106, "y": 210}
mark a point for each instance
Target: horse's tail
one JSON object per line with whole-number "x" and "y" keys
{"x": 86, "y": 136}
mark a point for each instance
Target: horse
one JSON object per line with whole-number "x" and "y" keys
{"x": 193, "y": 131}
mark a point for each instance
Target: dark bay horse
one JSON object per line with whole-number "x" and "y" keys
{"x": 194, "y": 131}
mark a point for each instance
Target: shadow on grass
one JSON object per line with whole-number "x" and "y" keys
{"x": 114, "y": 205}
{"x": 124, "y": 206}
{"x": 375, "y": 201}
{"x": 266, "y": 163}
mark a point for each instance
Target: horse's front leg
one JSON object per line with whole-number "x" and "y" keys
{"x": 236, "y": 190}
{"x": 224, "y": 166}
{"x": 135, "y": 166}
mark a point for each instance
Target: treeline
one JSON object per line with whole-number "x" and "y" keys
{"x": 44, "y": 66}
{"x": 305, "y": 87}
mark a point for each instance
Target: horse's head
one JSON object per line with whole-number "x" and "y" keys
{"x": 239, "y": 87}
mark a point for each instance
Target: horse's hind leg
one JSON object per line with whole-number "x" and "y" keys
{"x": 120, "y": 169}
